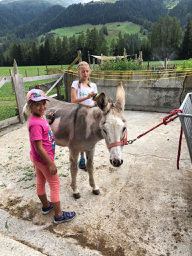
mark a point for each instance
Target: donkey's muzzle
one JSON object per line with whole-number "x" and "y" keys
{"x": 116, "y": 162}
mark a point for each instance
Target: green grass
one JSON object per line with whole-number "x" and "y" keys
{"x": 7, "y": 97}
{"x": 113, "y": 30}
{"x": 31, "y": 70}
{"x": 161, "y": 63}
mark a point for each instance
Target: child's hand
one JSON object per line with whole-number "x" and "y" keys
{"x": 50, "y": 117}
{"x": 53, "y": 168}
{"x": 91, "y": 94}
{"x": 95, "y": 96}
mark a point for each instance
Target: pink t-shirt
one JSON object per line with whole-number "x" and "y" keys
{"x": 39, "y": 129}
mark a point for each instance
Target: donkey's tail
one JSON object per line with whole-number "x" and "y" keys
{"x": 26, "y": 113}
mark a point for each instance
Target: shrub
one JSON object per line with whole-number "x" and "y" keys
{"x": 185, "y": 65}
{"x": 120, "y": 64}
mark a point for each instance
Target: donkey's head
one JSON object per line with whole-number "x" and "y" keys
{"x": 113, "y": 124}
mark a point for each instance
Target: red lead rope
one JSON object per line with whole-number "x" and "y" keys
{"x": 166, "y": 120}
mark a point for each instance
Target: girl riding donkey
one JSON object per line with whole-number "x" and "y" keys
{"x": 83, "y": 92}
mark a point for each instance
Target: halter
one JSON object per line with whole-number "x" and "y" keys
{"x": 121, "y": 143}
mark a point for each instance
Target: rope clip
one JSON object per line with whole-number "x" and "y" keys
{"x": 131, "y": 141}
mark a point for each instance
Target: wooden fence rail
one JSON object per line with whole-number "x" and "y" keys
{"x": 18, "y": 81}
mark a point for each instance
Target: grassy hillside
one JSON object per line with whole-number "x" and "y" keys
{"x": 113, "y": 30}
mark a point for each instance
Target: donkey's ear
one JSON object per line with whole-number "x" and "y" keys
{"x": 102, "y": 102}
{"x": 120, "y": 97}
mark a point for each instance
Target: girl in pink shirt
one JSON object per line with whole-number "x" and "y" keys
{"x": 42, "y": 155}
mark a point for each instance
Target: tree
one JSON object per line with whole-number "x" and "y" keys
{"x": 101, "y": 44}
{"x": 175, "y": 37}
{"x": 120, "y": 44}
{"x": 65, "y": 51}
{"x": 112, "y": 47}
{"x": 146, "y": 50}
{"x": 93, "y": 47}
{"x": 157, "y": 39}
{"x": 52, "y": 49}
{"x": 58, "y": 47}
{"x": 166, "y": 31}
{"x": 186, "y": 49}
{"x": 47, "y": 52}
{"x": 34, "y": 55}
{"x": 165, "y": 38}
{"x": 2, "y": 59}
{"x": 72, "y": 48}
{"x": 104, "y": 30}
{"x": 81, "y": 42}
{"x": 41, "y": 55}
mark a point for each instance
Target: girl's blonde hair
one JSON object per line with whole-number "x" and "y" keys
{"x": 29, "y": 104}
{"x": 79, "y": 66}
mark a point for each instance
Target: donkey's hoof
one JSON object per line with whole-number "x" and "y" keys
{"x": 96, "y": 192}
{"x": 76, "y": 195}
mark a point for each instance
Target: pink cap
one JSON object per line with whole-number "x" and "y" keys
{"x": 36, "y": 95}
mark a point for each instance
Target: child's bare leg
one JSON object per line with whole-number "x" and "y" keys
{"x": 57, "y": 209}
{"x": 44, "y": 201}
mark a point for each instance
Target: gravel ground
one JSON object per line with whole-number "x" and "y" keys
{"x": 145, "y": 206}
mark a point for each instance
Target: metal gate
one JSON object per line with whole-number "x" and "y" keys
{"x": 186, "y": 120}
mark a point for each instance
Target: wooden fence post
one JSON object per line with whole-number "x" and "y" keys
{"x": 15, "y": 68}
{"x": 58, "y": 87}
{"x": 135, "y": 59}
{"x": 19, "y": 91}
{"x": 93, "y": 63}
{"x": 89, "y": 60}
{"x": 79, "y": 54}
{"x": 101, "y": 58}
{"x": 165, "y": 63}
{"x": 11, "y": 75}
{"x": 65, "y": 84}
{"x": 140, "y": 58}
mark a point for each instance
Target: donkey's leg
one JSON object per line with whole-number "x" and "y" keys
{"x": 73, "y": 169}
{"x": 89, "y": 155}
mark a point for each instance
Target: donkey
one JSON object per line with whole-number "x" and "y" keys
{"x": 80, "y": 127}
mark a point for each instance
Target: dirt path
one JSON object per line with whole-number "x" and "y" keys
{"x": 145, "y": 206}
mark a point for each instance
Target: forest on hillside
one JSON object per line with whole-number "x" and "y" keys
{"x": 142, "y": 12}
{"x": 166, "y": 34}
{"x": 166, "y": 41}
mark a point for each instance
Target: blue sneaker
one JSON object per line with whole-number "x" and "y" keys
{"x": 46, "y": 210}
{"x": 65, "y": 216}
{"x": 82, "y": 164}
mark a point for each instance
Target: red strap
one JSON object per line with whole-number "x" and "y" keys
{"x": 115, "y": 144}
{"x": 167, "y": 119}
{"x": 120, "y": 143}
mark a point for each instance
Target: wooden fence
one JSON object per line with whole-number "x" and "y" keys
{"x": 18, "y": 81}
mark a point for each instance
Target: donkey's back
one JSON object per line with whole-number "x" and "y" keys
{"x": 75, "y": 125}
